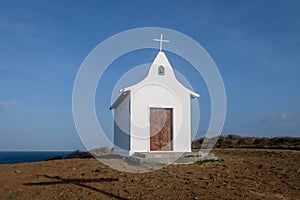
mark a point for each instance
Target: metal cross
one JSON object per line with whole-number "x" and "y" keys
{"x": 160, "y": 41}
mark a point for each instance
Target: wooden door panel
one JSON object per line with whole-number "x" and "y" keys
{"x": 154, "y": 129}
{"x": 160, "y": 129}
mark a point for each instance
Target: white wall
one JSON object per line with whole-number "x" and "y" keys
{"x": 158, "y": 91}
{"x": 156, "y": 95}
{"x": 122, "y": 127}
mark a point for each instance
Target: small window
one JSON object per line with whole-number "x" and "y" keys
{"x": 161, "y": 70}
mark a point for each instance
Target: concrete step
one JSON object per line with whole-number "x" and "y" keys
{"x": 157, "y": 154}
{"x": 169, "y": 157}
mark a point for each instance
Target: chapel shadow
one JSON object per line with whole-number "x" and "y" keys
{"x": 79, "y": 182}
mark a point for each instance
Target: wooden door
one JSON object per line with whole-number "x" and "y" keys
{"x": 161, "y": 122}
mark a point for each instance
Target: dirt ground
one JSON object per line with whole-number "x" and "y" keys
{"x": 239, "y": 174}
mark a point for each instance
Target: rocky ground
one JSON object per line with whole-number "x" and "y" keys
{"x": 239, "y": 174}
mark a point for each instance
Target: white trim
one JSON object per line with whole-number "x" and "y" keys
{"x": 121, "y": 97}
{"x": 159, "y": 106}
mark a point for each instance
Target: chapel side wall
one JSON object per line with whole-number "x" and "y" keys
{"x": 122, "y": 127}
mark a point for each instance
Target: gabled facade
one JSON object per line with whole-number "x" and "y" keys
{"x": 154, "y": 114}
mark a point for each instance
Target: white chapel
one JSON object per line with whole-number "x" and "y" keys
{"x": 154, "y": 115}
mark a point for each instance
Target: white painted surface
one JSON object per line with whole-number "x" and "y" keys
{"x": 122, "y": 125}
{"x": 156, "y": 91}
{"x": 161, "y": 41}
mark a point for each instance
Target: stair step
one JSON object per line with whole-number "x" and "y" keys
{"x": 168, "y": 158}
{"x": 166, "y": 154}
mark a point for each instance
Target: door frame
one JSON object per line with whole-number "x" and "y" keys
{"x": 173, "y": 125}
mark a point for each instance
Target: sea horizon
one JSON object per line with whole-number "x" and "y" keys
{"x": 14, "y": 157}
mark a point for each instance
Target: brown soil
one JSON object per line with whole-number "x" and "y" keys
{"x": 240, "y": 174}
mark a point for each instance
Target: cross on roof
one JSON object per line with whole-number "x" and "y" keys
{"x": 160, "y": 41}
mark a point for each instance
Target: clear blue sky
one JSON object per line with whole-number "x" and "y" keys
{"x": 255, "y": 44}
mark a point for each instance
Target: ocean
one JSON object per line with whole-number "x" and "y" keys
{"x": 12, "y": 157}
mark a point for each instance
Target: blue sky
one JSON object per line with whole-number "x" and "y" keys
{"x": 255, "y": 45}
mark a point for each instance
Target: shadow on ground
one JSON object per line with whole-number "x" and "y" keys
{"x": 79, "y": 182}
